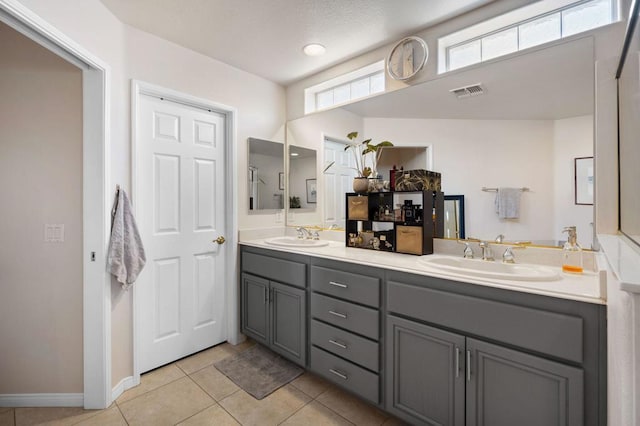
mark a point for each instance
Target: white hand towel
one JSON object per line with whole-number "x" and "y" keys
{"x": 126, "y": 256}
{"x": 508, "y": 203}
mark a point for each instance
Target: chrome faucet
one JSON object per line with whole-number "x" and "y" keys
{"x": 486, "y": 251}
{"x": 500, "y": 238}
{"x": 303, "y": 232}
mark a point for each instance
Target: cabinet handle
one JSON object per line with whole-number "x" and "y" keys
{"x": 339, "y": 374}
{"x": 338, "y": 284}
{"x": 338, "y": 344}
{"x": 468, "y": 366}
{"x": 338, "y": 314}
{"x": 266, "y": 297}
{"x": 457, "y": 362}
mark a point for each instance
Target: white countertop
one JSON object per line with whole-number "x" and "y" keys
{"x": 588, "y": 287}
{"x": 624, "y": 259}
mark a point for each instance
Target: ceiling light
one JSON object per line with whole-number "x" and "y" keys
{"x": 314, "y": 49}
{"x": 294, "y": 154}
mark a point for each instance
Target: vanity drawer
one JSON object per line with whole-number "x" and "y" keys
{"x": 346, "y": 285}
{"x": 347, "y": 345}
{"x": 346, "y": 315}
{"x": 284, "y": 271}
{"x": 350, "y": 376}
{"x": 551, "y": 333}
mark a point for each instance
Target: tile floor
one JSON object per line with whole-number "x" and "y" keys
{"x": 192, "y": 391}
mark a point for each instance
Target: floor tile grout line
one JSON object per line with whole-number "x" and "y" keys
{"x": 154, "y": 389}
{"x": 227, "y": 411}
{"x": 121, "y": 413}
{"x": 329, "y": 408}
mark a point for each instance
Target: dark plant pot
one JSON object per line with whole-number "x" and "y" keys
{"x": 361, "y": 185}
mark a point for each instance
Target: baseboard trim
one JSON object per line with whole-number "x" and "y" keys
{"x": 123, "y": 385}
{"x": 42, "y": 400}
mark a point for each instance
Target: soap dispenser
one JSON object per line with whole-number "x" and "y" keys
{"x": 571, "y": 252}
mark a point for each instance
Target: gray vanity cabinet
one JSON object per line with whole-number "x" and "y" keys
{"x": 425, "y": 368}
{"x": 507, "y": 387}
{"x": 274, "y": 303}
{"x": 459, "y": 354}
{"x": 255, "y": 308}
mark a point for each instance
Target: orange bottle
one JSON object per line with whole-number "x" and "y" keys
{"x": 571, "y": 253}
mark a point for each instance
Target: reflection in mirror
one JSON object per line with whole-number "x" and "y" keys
{"x": 266, "y": 175}
{"x": 507, "y": 137}
{"x": 303, "y": 188}
{"x": 454, "y": 216}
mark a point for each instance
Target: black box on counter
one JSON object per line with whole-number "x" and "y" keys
{"x": 417, "y": 180}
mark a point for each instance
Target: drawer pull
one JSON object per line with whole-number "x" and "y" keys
{"x": 338, "y": 314}
{"x": 338, "y": 284}
{"x": 338, "y": 344}
{"x": 468, "y": 366}
{"x": 339, "y": 374}
{"x": 457, "y": 362}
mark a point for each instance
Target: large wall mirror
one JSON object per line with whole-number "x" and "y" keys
{"x": 266, "y": 178}
{"x": 534, "y": 118}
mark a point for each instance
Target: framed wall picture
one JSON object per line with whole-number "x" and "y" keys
{"x": 281, "y": 180}
{"x": 312, "y": 191}
{"x": 584, "y": 180}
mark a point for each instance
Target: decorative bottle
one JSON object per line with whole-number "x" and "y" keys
{"x": 571, "y": 252}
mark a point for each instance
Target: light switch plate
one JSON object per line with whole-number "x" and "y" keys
{"x": 54, "y": 233}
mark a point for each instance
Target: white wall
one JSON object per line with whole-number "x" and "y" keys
{"x": 41, "y": 175}
{"x": 573, "y": 137}
{"x": 133, "y": 54}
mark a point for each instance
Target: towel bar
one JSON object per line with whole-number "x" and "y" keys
{"x": 485, "y": 189}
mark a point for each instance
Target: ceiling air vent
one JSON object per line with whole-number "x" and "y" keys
{"x": 468, "y": 91}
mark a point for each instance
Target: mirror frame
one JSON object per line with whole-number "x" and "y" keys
{"x": 460, "y": 199}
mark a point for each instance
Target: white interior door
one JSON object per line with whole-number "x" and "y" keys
{"x": 338, "y": 180}
{"x": 180, "y": 207}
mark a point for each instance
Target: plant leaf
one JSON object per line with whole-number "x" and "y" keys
{"x": 352, "y": 135}
{"x": 384, "y": 143}
{"x": 366, "y": 142}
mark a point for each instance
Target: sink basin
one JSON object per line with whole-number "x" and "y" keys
{"x": 485, "y": 269}
{"x": 295, "y": 242}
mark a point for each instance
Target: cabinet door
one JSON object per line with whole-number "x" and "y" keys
{"x": 425, "y": 377}
{"x": 255, "y": 308}
{"x": 289, "y": 322}
{"x": 508, "y": 387}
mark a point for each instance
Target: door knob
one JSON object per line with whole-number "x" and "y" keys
{"x": 219, "y": 240}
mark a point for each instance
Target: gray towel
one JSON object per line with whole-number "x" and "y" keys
{"x": 508, "y": 203}
{"x": 126, "y": 256}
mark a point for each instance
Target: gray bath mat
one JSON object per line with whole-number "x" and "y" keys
{"x": 258, "y": 371}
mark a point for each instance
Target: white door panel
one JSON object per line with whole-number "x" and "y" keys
{"x": 338, "y": 181}
{"x": 180, "y": 163}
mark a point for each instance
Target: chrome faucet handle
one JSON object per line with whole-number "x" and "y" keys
{"x": 508, "y": 257}
{"x": 500, "y": 238}
{"x": 302, "y": 232}
{"x": 468, "y": 251}
{"x": 316, "y": 235}
{"x": 486, "y": 250}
